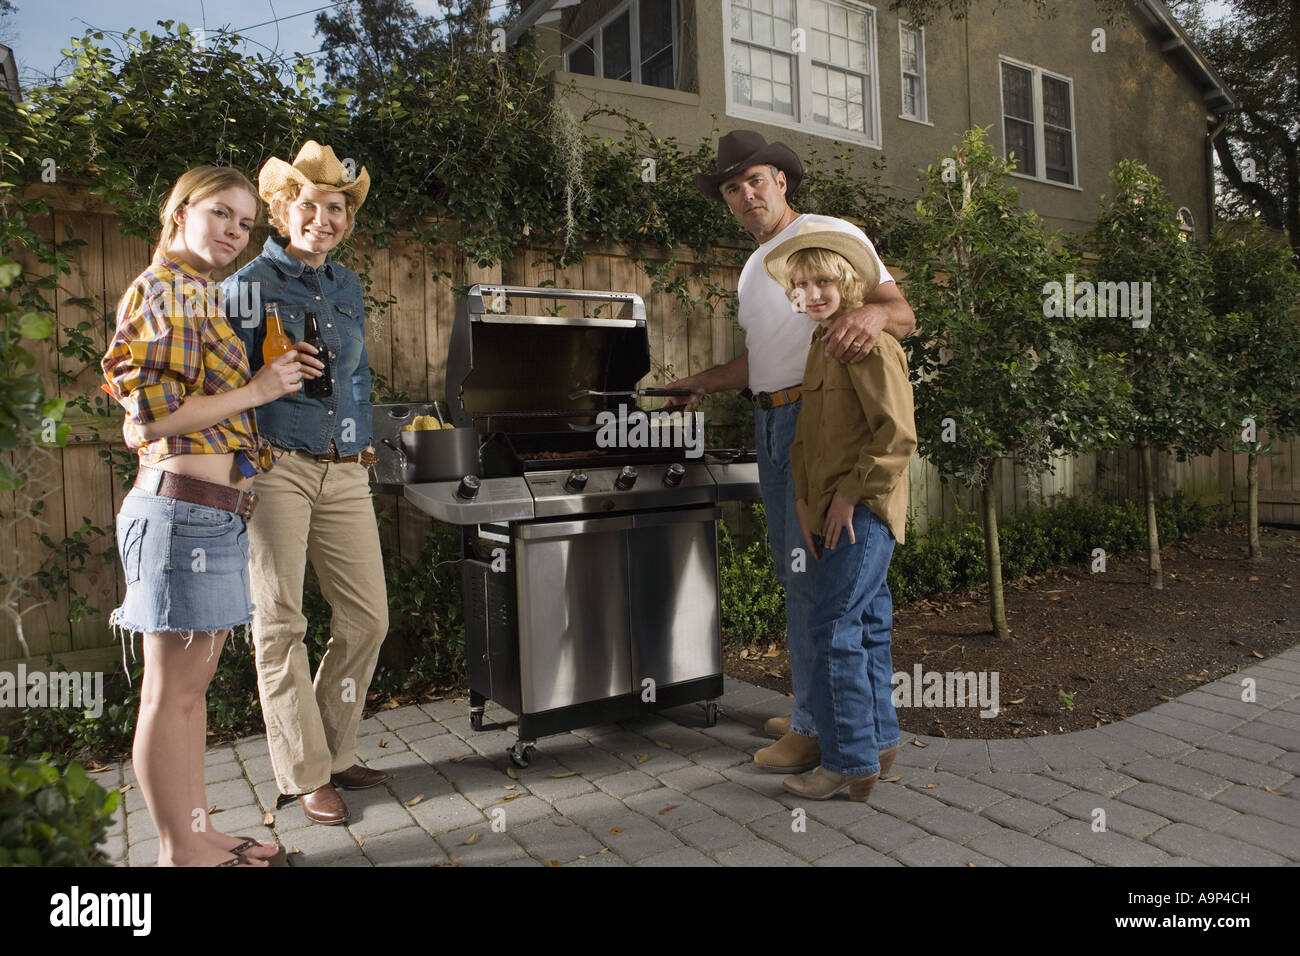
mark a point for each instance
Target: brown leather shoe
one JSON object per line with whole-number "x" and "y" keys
{"x": 324, "y": 805}
{"x": 358, "y": 777}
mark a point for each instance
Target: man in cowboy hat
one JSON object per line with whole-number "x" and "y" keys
{"x": 756, "y": 180}
{"x": 314, "y": 505}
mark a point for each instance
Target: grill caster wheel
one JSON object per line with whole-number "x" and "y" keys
{"x": 476, "y": 720}
{"x": 521, "y": 754}
{"x": 711, "y": 711}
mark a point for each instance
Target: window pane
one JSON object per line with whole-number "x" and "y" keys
{"x": 760, "y": 64}
{"x": 1017, "y": 92}
{"x": 783, "y": 98}
{"x": 858, "y": 57}
{"x": 839, "y": 113}
{"x": 616, "y": 49}
{"x": 781, "y": 69}
{"x": 839, "y": 21}
{"x": 818, "y": 79}
{"x": 740, "y": 74}
{"x": 837, "y": 84}
{"x": 762, "y": 94}
{"x": 1056, "y": 102}
{"x": 582, "y": 59}
{"x": 1060, "y": 161}
{"x": 1020, "y": 141}
{"x": 909, "y": 96}
{"x": 855, "y": 118}
{"x": 658, "y": 70}
{"x": 821, "y": 108}
{"x": 656, "y": 25}
{"x": 820, "y": 15}
{"x": 784, "y": 9}
{"x": 820, "y": 47}
{"x": 761, "y": 6}
{"x": 740, "y": 21}
{"x": 839, "y": 51}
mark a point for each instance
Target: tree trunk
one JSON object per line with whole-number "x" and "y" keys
{"x": 993, "y": 558}
{"x": 1252, "y": 505}
{"x": 1155, "y": 576}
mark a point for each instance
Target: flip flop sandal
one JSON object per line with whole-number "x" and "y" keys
{"x": 240, "y": 860}
{"x": 279, "y": 858}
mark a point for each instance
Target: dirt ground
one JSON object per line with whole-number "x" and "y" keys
{"x": 1087, "y": 649}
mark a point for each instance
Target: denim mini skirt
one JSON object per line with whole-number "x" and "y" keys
{"x": 186, "y": 567}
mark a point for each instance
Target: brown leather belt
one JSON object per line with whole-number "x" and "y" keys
{"x": 784, "y": 396}
{"x": 196, "y": 491}
{"x": 331, "y": 456}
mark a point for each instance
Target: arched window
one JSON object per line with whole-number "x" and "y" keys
{"x": 1186, "y": 224}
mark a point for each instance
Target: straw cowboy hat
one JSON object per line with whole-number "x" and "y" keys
{"x": 739, "y": 150}
{"x": 315, "y": 165}
{"x": 818, "y": 237}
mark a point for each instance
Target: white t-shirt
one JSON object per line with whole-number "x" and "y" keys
{"x": 777, "y": 336}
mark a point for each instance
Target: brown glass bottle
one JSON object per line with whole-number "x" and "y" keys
{"x": 321, "y": 387}
{"x": 276, "y": 342}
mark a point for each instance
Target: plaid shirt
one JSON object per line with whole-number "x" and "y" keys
{"x": 173, "y": 340}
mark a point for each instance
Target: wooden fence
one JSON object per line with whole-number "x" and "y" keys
{"x": 407, "y": 346}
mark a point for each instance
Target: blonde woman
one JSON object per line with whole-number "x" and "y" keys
{"x": 182, "y": 377}
{"x": 315, "y": 506}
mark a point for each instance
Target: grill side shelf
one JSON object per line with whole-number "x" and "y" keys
{"x": 499, "y": 499}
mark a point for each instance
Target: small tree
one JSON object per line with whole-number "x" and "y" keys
{"x": 1255, "y": 300}
{"x": 996, "y": 376}
{"x": 1163, "y": 329}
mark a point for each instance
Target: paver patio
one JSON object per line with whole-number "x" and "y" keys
{"x": 1204, "y": 780}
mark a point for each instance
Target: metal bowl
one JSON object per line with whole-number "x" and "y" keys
{"x": 445, "y": 454}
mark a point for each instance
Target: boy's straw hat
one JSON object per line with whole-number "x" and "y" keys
{"x": 813, "y": 236}
{"x": 315, "y": 165}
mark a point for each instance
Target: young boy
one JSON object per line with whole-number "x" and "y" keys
{"x": 854, "y": 439}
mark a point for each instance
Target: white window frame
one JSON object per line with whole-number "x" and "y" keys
{"x": 1186, "y": 224}
{"x": 802, "y": 120}
{"x": 924, "y": 115}
{"x": 593, "y": 37}
{"x": 1040, "y": 139}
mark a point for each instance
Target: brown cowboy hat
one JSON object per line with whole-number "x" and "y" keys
{"x": 315, "y": 165}
{"x": 742, "y": 148}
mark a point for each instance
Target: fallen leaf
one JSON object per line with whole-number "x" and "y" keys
{"x": 929, "y": 786}
{"x": 744, "y": 654}
{"x": 919, "y": 743}
{"x": 773, "y": 672}
{"x": 560, "y": 823}
{"x": 268, "y": 819}
{"x": 561, "y": 774}
{"x": 414, "y": 800}
{"x": 212, "y": 809}
{"x": 511, "y": 786}
{"x": 473, "y": 838}
{"x": 553, "y": 863}
{"x": 603, "y": 849}
{"x": 772, "y": 651}
{"x": 393, "y": 703}
{"x": 641, "y": 758}
{"x": 361, "y": 841}
{"x": 510, "y": 772}
{"x": 669, "y": 809}
{"x": 616, "y": 830}
{"x": 1018, "y": 700}
{"x": 970, "y": 863}
{"x": 383, "y": 742}
{"x": 660, "y": 743}
{"x": 1258, "y": 654}
{"x": 894, "y": 779}
{"x": 93, "y": 767}
{"x": 1235, "y": 643}
{"x": 1253, "y": 577}
{"x": 510, "y": 796}
{"x": 582, "y": 856}
{"x": 296, "y": 850}
{"x": 1163, "y": 697}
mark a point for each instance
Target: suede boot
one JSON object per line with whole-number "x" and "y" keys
{"x": 822, "y": 784}
{"x": 777, "y": 727}
{"x": 793, "y": 753}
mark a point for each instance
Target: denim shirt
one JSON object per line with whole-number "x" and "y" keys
{"x": 334, "y": 294}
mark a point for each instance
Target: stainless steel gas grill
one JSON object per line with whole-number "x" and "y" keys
{"x": 590, "y": 570}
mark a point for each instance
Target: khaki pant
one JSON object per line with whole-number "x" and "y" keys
{"x": 322, "y": 512}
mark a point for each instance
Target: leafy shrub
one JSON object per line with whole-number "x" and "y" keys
{"x": 49, "y": 818}
{"x": 753, "y": 600}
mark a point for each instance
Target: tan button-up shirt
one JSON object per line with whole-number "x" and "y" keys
{"x": 856, "y": 433}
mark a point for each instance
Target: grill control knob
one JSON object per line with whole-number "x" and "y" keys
{"x": 576, "y": 481}
{"x": 626, "y": 478}
{"x": 468, "y": 488}
{"x": 673, "y": 477}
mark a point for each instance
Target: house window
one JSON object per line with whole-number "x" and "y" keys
{"x": 637, "y": 42}
{"x": 807, "y": 64}
{"x": 911, "y": 53}
{"x": 1038, "y": 122}
{"x": 1186, "y": 224}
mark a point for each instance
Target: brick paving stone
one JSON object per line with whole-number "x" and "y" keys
{"x": 1185, "y": 730}
{"x": 144, "y": 853}
{"x": 765, "y": 709}
{"x": 856, "y": 856}
{"x": 378, "y": 745}
{"x": 1237, "y": 770}
{"x": 1016, "y": 849}
{"x": 402, "y": 717}
{"x": 231, "y": 794}
{"x": 1176, "y": 776}
{"x": 684, "y": 740}
{"x": 1289, "y": 722}
{"x": 683, "y": 856}
{"x": 478, "y": 780}
{"x": 1105, "y": 847}
{"x": 597, "y": 730}
{"x": 691, "y": 778}
{"x": 445, "y": 812}
{"x": 492, "y": 743}
{"x": 409, "y": 846}
{"x": 441, "y": 749}
{"x": 1290, "y": 762}
{"x": 598, "y": 859}
{"x": 590, "y": 807}
{"x": 370, "y": 725}
{"x": 288, "y": 817}
{"x": 114, "y": 848}
{"x": 133, "y": 799}
{"x": 242, "y": 820}
{"x": 965, "y": 756}
{"x": 720, "y": 758}
{"x": 375, "y": 811}
{"x": 1120, "y": 817}
{"x": 1227, "y": 688}
{"x": 519, "y": 811}
{"x": 654, "y": 804}
{"x": 320, "y": 845}
{"x": 591, "y": 762}
{"x": 757, "y": 853}
{"x": 1261, "y": 803}
{"x": 955, "y": 791}
{"x": 624, "y": 744}
{"x": 234, "y": 770}
{"x": 1212, "y": 848}
{"x": 936, "y": 851}
{"x": 811, "y": 841}
{"x": 834, "y": 813}
{"x": 636, "y": 839}
{"x": 1242, "y": 747}
{"x": 1179, "y": 711}
{"x": 627, "y": 783}
{"x": 951, "y": 823}
{"x": 1280, "y": 675}
{"x": 714, "y": 833}
{"x": 1022, "y": 815}
{"x": 1235, "y": 708}
{"x": 1269, "y": 834}
{"x": 1270, "y": 734}
{"x": 738, "y": 695}
{"x": 250, "y": 747}
{"x": 1112, "y": 751}
{"x": 445, "y": 709}
{"x": 1176, "y": 806}
{"x": 139, "y": 825}
{"x": 657, "y": 761}
{"x": 1032, "y": 786}
{"x": 421, "y": 731}
{"x": 555, "y": 839}
{"x": 898, "y": 801}
{"x": 222, "y": 754}
{"x": 1014, "y": 756}
{"x": 1061, "y": 753}
{"x": 488, "y": 847}
{"x": 754, "y": 777}
{"x": 552, "y": 789}
{"x": 737, "y": 802}
{"x": 1157, "y": 745}
{"x": 882, "y": 832}
{"x": 737, "y": 735}
{"x": 911, "y": 755}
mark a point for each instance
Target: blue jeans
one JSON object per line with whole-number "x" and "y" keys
{"x": 773, "y": 435}
{"x": 853, "y": 673}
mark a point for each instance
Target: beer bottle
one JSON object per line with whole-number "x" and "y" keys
{"x": 276, "y": 342}
{"x": 320, "y": 387}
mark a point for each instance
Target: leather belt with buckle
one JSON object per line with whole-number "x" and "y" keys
{"x": 168, "y": 484}
{"x": 784, "y": 396}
